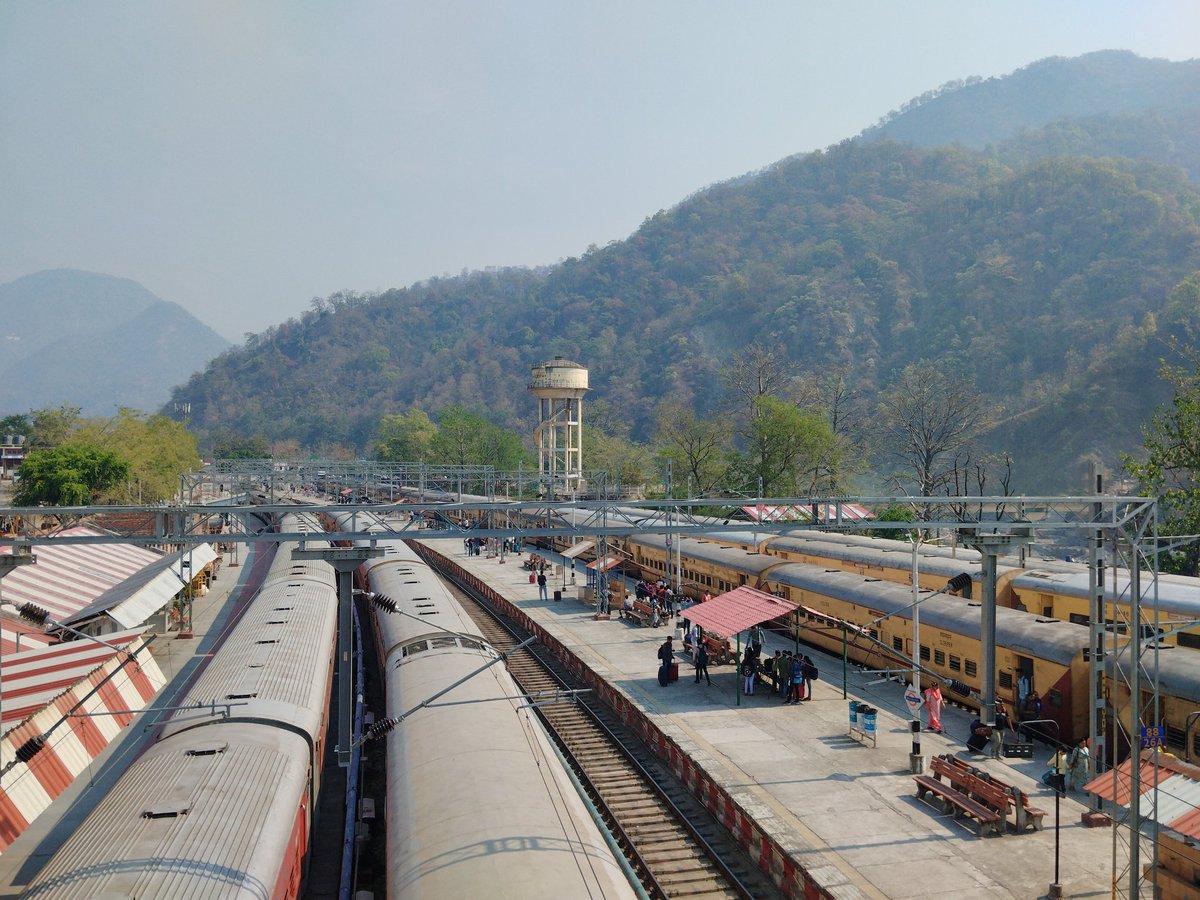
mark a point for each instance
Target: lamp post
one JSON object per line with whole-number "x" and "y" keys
{"x": 1056, "y": 781}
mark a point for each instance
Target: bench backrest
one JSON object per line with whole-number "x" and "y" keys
{"x": 965, "y": 766}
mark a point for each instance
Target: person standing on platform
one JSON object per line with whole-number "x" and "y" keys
{"x": 702, "y": 662}
{"x": 749, "y": 666}
{"x": 666, "y": 653}
{"x": 933, "y": 704}
{"x": 795, "y": 679}
{"x": 808, "y": 669}
{"x": 542, "y": 585}
{"x": 756, "y": 639}
{"x": 1001, "y": 731}
{"x": 1077, "y": 765}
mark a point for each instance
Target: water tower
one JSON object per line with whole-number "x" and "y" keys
{"x": 559, "y": 386}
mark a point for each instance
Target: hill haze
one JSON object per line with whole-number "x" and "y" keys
{"x": 96, "y": 342}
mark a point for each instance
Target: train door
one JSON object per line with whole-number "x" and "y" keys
{"x": 1025, "y": 685}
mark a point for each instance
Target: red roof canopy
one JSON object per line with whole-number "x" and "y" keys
{"x": 735, "y": 612}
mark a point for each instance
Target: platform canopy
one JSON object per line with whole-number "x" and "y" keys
{"x": 574, "y": 551}
{"x": 737, "y": 611}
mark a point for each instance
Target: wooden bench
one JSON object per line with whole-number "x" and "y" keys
{"x": 1026, "y": 815}
{"x": 641, "y": 613}
{"x": 959, "y": 804}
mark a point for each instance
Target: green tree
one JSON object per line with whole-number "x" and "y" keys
{"x": 628, "y": 464}
{"x": 406, "y": 438}
{"x": 73, "y": 474}
{"x": 790, "y": 448}
{"x": 52, "y": 426}
{"x": 1170, "y": 467}
{"x": 698, "y": 447}
{"x": 157, "y": 450}
{"x": 231, "y": 446}
{"x": 15, "y": 424}
{"x": 455, "y": 442}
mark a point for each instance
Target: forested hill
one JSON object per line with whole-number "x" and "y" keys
{"x": 1052, "y": 280}
{"x": 977, "y": 112}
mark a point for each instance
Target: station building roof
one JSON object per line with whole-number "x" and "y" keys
{"x": 41, "y": 689}
{"x": 140, "y": 596}
{"x": 67, "y": 578}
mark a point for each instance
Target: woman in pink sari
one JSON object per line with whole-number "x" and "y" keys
{"x": 933, "y": 703}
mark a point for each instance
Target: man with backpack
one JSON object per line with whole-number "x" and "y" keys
{"x": 809, "y": 670}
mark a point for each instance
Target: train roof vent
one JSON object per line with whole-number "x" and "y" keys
{"x": 872, "y": 579}
{"x": 413, "y": 581}
{"x": 296, "y": 585}
{"x": 277, "y": 621}
{"x": 167, "y": 811}
{"x": 282, "y": 608}
{"x": 249, "y": 696}
{"x": 1042, "y": 619}
{"x": 975, "y": 603}
{"x": 267, "y": 641}
{"x": 207, "y": 749}
{"x": 832, "y": 570}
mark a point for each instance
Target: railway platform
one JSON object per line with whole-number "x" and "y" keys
{"x": 835, "y": 815}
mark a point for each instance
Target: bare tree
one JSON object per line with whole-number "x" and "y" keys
{"x": 701, "y": 445}
{"x": 758, "y": 372}
{"x": 926, "y": 420}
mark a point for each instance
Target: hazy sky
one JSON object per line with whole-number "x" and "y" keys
{"x": 240, "y": 158}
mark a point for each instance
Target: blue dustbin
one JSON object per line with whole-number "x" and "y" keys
{"x": 868, "y": 713}
{"x": 853, "y": 713}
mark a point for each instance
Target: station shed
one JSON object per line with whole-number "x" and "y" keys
{"x": 731, "y": 614}
{"x": 60, "y": 707}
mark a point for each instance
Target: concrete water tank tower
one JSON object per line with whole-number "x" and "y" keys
{"x": 559, "y": 386}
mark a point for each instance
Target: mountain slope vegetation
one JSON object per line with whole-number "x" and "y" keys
{"x": 1040, "y": 269}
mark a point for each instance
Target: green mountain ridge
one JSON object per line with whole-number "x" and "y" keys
{"x": 1042, "y": 275}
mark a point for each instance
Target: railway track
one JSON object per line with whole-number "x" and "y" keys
{"x": 674, "y": 844}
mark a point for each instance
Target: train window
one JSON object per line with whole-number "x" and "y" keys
{"x": 924, "y": 653}
{"x": 971, "y": 668}
{"x": 1188, "y": 639}
{"x": 874, "y": 632}
{"x": 898, "y": 643}
{"x": 1078, "y": 619}
{"x": 1006, "y": 680}
{"x": 470, "y": 644}
{"x": 443, "y": 642}
{"x": 1048, "y": 611}
{"x": 955, "y": 663}
{"x": 414, "y": 647}
{"x": 1054, "y": 697}
{"x": 939, "y": 657}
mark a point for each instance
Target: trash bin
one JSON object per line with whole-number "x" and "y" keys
{"x": 868, "y": 714}
{"x": 853, "y": 713}
{"x": 557, "y": 596}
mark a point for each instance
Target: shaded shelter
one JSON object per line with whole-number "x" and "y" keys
{"x": 736, "y": 611}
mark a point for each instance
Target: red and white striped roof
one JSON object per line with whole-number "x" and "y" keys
{"x": 826, "y": 513}
{"x": 16, "y": 635}
{"x": 41, "y": 688}
{"x": 67, "y": 578}
{"x": 32, "y": 678}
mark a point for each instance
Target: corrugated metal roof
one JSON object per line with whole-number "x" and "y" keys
{"x": 137, "y": 598}
{"x": 1177, "y": 795}
{"x": 575, "y": 550}
{"x": 736, "y": 611}
{"x": 17, "y": 635}
{"x": 610, "y": 561}
{"x": 33, "y": 678}
{"x": 67, "y": 578}
{"x": 825, "y": 512}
